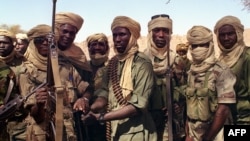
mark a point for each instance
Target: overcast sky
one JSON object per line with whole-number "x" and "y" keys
{"x": 99, "y": 14}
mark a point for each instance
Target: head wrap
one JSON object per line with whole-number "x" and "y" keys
{"x": 230, "y": 56}
{"x": 153, "y": 51}
{"x": 203, "y": 58}
{"x": 98, "y": 59}
{"x": 134, "y": 28}
{"x": 32, "y": 55}
{"x": 22, "y": 36}
{"x": 164, "y": 22}
{"x": 181, "y": 46}
{"x": 69, "y": 18}
{"x": 10, "y": 57}
{"x": 4, "y": 32}
{"x": 199, "y": 35}
{"x": 38, "y": 31}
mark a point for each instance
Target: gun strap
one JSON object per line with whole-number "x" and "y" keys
{"x": 59, "y": 90}
{"x": 10, "y": 87}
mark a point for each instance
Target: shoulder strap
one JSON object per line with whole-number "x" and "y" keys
{"x": 10, "y": 87}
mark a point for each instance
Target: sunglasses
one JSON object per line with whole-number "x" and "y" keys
{"x": 40, "y": 40}
{"x": 161, "y": 15}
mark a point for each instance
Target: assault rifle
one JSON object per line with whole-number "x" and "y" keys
{"x": 169, "y": 98}
{"x": 9, "y": 109}
{"x": 52, "y": 84}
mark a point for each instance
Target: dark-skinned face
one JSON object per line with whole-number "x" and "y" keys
{"x": 21, "y": 46}
{"x": 6, "y": 46}
{"x": 97, "y": 47}
{"x": 42, "y": 45}
{"x": 161, "y": 36}
{"x": 227, "y": 36}
{"x": 67, "y": 34}
{"x": 121, "y": 36}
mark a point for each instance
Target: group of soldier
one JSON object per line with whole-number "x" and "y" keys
{"x": 123, "y": 97}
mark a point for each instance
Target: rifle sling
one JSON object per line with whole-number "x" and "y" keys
{"x": 10, "y": 87}
{"x": 59, "y": 91}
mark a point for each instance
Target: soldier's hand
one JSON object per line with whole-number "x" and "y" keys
{"x": 89, "y": 118}
{"x": 177, "y": 108}
{"x": 189, "y": 138}
{"x": 41, "y": 96}
{"x": 81, "y": 104}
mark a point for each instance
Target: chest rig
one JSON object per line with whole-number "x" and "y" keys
{"x": 201, "y": 102}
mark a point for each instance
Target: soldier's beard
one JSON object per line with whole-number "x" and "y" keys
{"x": 98, "y": 59}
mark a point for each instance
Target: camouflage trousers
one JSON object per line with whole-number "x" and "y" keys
{"x": 39, "y": 132}
{"x": 197, "y": 130}
{"x": 162, "y": 126}
{"x": 17, "y": 130}
{"x": 4, "y": 136}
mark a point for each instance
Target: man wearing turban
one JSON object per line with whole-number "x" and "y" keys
{"x": 236, "y": 55}
{"x": 68, "y": 25}
{"x": 158, "y": 48}
{"x": 14, "y": 60}
{"x": 127, "y": 86}
{"x": 210, "y": 89}
{"x": 8, "y": 54}
{"x": 98, "y": 49}
{"x": 22, "y": 43}
{"x": 35, "y": 73}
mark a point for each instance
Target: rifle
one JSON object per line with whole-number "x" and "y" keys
{"x": 81, "y": 129}
{"x": 9, "y": 109}
{"x": 169, "y": 98}
{"x": 54, "y": 104}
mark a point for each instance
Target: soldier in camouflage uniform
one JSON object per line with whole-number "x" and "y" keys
{"x": 210, "y": 89}
{"x": 35, "y": 74}
{"x": 236, "y": 55}
{"x": 16, "y": 124}
{"x": 6, "y": 75}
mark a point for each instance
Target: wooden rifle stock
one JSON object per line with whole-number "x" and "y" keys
{"x": 169, "y": 98}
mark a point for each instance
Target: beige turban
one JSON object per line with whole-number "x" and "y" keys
{"x": 4, "y": 32}
{"x": 230, "y": 56}
{"x": 98, "y": 59}
{"x": 123, "y": 21}
{"x": 22, "y": 36}
{"x": 182, "y": 46}
{"x": 100, "y": 37}
{"x": 69, "y": 18}
{"x": 199, "y": 35}
{"x": 32, "y": 54}
{"x": 38, "y": 31}
{"x": 160, "y": 22}
{"x": 134, "y": 28}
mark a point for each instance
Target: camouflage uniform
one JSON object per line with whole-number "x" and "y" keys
{"x": 5, "y": 75}
{"x": 203, "y": 97}
{"x": 16, "y": 125}
{"x": 74, "y": 88}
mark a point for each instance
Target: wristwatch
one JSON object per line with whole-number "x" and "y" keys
{"x": 101, "y": 118}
